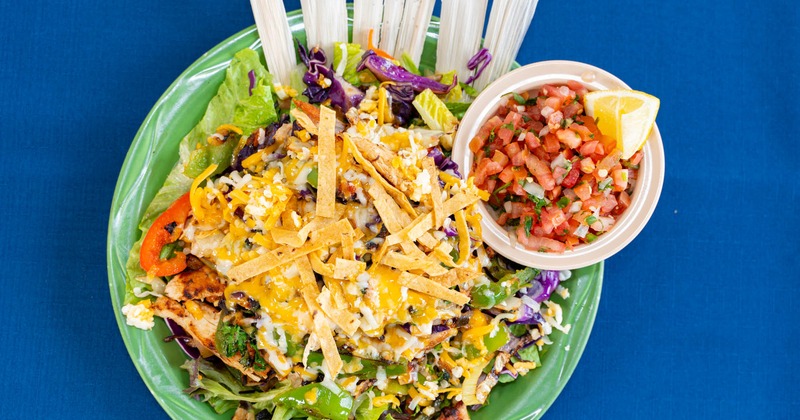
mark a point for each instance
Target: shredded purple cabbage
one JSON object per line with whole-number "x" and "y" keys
{"x": 543, "y": 285}
{"x": 482, "y": 58}
{"x": 385, "y": 70}
{"x": 443, "y": 162}
{"x": 178, "y": 334}
{"x": 528, "y": 316}
{"x": 252, "y": 76}
{"x": 402, "y": 96}
{"x": 342, "y": 94}
{"x": 450, "y": 231}
{"x": 439, "y": 328}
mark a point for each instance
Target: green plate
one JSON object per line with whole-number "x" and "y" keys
{"x": 153, "y": 153}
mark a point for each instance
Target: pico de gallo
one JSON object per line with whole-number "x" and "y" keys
{"x": 554, "y": 179}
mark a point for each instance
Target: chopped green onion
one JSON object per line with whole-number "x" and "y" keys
{"x": 590, "y": 237}
{"x": 590, "y": 220}
{"x": 562, "y": 202}
{"x": 519, "y": 99}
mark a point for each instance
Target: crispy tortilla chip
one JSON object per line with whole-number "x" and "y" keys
{"x": 432, "y": 288}
{"x": 326, "y": 236}
{"x": 402, "y": 262}
{"x": 442, "y": 253}
{"x": 326, "y": 162}
{"x": 345, "y": 269}
{"x": 344, "y": 319}
{"x": 310, "y": 293}
{"x": 463, "y": 237}
{"x": 398, "y": 195}
{"x": 456, "y": 276}
{"x": 319, "y": 267}
{"x": 286, "y": 237}
{"x": 424, "y": 222}
{"x": 436, "y": 190}
{"x": 391, "y": 214}
{"x": 348, "y": 252}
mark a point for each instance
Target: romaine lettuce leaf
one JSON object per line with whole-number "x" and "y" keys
{"x": 232, "y": 104}
{"x": 354, "y": 53}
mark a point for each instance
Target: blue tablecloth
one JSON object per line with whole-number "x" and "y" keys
{"x": 699, "y": 315}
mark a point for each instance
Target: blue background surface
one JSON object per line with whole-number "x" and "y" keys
{"x": 699, "y": 315}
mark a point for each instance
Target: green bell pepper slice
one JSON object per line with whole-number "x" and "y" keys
{"x": 490, "y": 294}
{"x": 319, "y": 401}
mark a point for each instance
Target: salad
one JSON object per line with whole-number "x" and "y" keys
{"x": 317, "y": 254}
{"x": 555, "y": 180}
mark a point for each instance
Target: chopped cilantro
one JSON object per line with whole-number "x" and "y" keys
{"x": 520, "y": 100}
{"x": 528, "y": 225}
{"x": 562, "y": 202}
{"x": 526, "y": 118}
{"x": 540, "y": 202}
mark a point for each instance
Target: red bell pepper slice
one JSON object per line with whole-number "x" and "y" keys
{"x": 163, "y": 231}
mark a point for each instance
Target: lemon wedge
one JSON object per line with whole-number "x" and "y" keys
{"x": 626, "y": 115}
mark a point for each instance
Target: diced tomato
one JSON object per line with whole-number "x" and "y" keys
{"x": 609, "y": 202}
{"x": 577, "y": 87}
{"x": 551, "y": 143}
{"x": 512, "y": 149}
{"x": 532, "y": 141}
{"x": 506, "y": 176}
{"x": 516, "y": 188}
{"x": 486, "y": 168}
{"x": 620, "y": 177}
{"x": 583, "y": 191}
{"x": 519, "y": 158}
{"x": 572, "y": 109}
{"x": 502, "y": 219}
{"x": 537, "y": 243}
{"x": 504, "y": 135}
{"x": 541, "y": 171}
{"x": 624, "y": 200}
{"x": 636, "y": 158}
{"x": 559, "y": 173}
{"x": 570, "y": 138}
{"x": 491, "y": 184}
{"x": 500, "y": 158}
{"x": 482, "y": 135}
{"x": 554, "y": 103}
{"x": 589, "y": 147}
{"x": 571, "y": 178}
{"x": 513, "y": 118}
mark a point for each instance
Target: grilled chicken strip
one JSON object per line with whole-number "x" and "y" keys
{"x": 201, "y": 324}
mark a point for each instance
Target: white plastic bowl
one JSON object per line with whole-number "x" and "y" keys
{"x": 628, "y": 224}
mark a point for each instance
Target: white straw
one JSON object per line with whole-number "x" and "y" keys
{"x": 509, "y": 20}
{"x": 457, "y": 45}
{"x": 392, "y": 16}
{"x": 276, "y": 38}
{"x": 413, "y": 28}
{"x": 367, "y": 14}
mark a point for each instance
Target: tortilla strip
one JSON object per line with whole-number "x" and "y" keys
{"x": 344, "y": 319}
{"x": 456, "y": 276}
{"x": 305, "y": 121}
{"x": 436, "y": 190}
{"x": 345, "y": 269}
{"x": 310, "y": 293}
{"x": 463, "y": 237}
{"x": 326, "y": 236}
{"x": 432, "y": 288}
{"x": 326, "y": 162}
{"x": 348, "y": 252}
{"x": 423, "y": 223}
{"x": 391, "y": 214}
{"x": 319, "y": 267}
{"x": 398, "y": 195}
{"x": 399, "y": 261}
{"x": 442, "y": 253}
